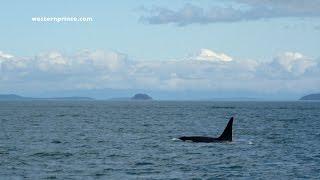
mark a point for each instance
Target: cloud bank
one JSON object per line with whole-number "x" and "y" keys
{"x": 239, "y": 10}
{"x": 289, "y": 72}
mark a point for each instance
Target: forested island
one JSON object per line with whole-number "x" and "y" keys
{"x": 314, "y": 97}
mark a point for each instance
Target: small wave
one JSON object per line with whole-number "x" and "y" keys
{"x": 175, "y": 139}
{"x": 236, "y": 167}
{"x": 61, "y": 115}
{"x": 37, "y": 115}
{"x": 100, "y": 174}
{"x": 56, "y": 142}
{"x": 192, "y": 153}
{"x": 223, "y": 107}
{"x": 51, "y": 177}
{"x": 117, "y": 156}
{"x": 52, "y": 154}
{"x": 244, "y": 141}
{"x": 143, "y": 163}
{"x": 72, "y": 115}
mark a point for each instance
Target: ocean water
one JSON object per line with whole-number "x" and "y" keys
{"x": 136, "y": 140}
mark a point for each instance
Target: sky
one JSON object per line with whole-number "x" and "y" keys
{"x": 170, "y": 49}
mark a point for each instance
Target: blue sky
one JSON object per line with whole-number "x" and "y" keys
{"x": 143, "y": 37}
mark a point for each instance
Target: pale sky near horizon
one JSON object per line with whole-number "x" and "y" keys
{"x": 162, "y": 45}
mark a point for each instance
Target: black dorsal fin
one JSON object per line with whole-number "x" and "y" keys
{"x": 227, "y": 133}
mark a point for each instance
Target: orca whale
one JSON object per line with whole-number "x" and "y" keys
{"x": 224, "y": 137}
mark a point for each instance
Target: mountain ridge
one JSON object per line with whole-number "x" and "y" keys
{"x": 9, "y": 97}
{"x": 312, "y": 97}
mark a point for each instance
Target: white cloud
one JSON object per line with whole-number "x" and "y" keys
{"x": 289, "y": 65}
{"x": 5, "y": 56}
{"x": 206, "y": 70}
{"x": 294, "y": 62}
{"x": 238, "y": 10}
{"x": 51, "y": 62}
{"x": 111, "y": 61}
{"x": 209, "y": 55}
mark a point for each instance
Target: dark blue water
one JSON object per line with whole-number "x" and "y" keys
{"x": 129, "y": 140}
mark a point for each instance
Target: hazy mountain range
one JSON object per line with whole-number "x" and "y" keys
{"x": 141, "y": 96}
{"x": 315, "y": 97}
{"x": 17, "y": 97}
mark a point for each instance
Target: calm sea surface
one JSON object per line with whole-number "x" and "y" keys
{"x": 136, "y": 140}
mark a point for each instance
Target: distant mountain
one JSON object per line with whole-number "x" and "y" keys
{"x": 68, "y": 98}
{"x": 138, "y": 96}
{"x": 120, "y": 99}
{"x": 311, "y": 97}
{"x": 10, "y": 97}
{"x": 141, "y": 97}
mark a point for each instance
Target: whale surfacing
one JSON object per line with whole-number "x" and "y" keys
{"x": 224, "y": 137}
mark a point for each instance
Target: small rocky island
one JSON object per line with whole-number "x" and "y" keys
{"x": 141, "y": 96}
{"x": 312, "y": 97}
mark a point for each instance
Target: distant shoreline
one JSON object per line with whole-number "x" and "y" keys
{"x": 14, "y": 97}
{"x": 311, "y": 97}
